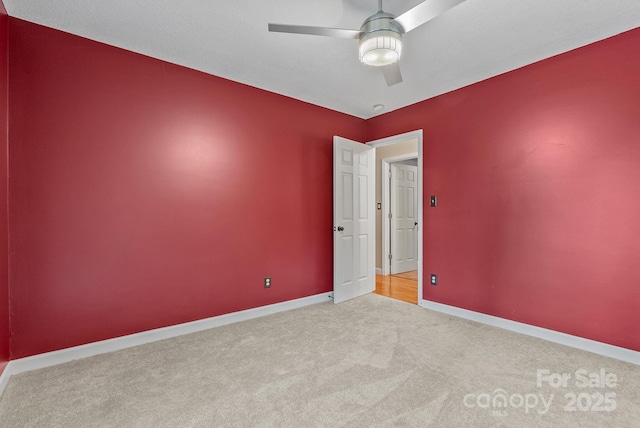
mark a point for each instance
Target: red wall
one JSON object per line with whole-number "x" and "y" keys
{"x": 538, "y": 178}
{"x": 145, "y": 194}
{"x": 4, "y": 244}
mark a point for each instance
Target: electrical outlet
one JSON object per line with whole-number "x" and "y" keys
{"x": 434, "y": 279}
{"x": 267, "y": 282}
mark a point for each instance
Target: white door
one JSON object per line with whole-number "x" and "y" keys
{"x": 354, "y": 236}
{"x": 404, "y": 218}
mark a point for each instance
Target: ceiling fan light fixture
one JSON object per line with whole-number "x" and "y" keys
{"x": 380, "y": 48}
{"x": 380, "y": 35}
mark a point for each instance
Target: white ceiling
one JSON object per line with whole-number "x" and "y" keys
{"x": 471, "y": 42}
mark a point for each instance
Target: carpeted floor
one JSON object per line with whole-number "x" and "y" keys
{"x": 372, "y": 361}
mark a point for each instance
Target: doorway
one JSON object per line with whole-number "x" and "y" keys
{"x": 401, "y": 280}
{"x": 400, "y": 216}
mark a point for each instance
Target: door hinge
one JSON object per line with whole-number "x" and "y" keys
{"x": 390, "y": 215}
{"x": 390, "y": 256}
{"x": 390, "y": 174}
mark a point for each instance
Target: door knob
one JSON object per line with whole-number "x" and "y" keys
{"x": 340, "y": 228}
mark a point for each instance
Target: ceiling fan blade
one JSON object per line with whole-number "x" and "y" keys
{"x": 392, "y": 73}
{"x": 315, "y": 31}
{"x": 424, "y": 12}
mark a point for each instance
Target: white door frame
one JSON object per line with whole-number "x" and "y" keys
{"x": 413, "y": 135}
{"x": 386, "y": 206}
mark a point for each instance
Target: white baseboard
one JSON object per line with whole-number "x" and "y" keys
{"x": 83, "y": 351}
{"x": 4, "y": 377}
{"x": 589, "y": 345}
{"x": 378, "y": 271}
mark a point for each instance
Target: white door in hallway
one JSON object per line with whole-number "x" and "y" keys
{"x": 404, "y": 218}
{"x": 354, "y": 236}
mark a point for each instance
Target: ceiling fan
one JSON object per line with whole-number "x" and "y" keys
{"x": 380, "y": 35}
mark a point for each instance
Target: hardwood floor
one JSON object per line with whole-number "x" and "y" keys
{"x": 402, "y": 286}
{"x": 413, "y": 274}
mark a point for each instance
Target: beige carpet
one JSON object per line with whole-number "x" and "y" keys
{"x": 372, "y": 361}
